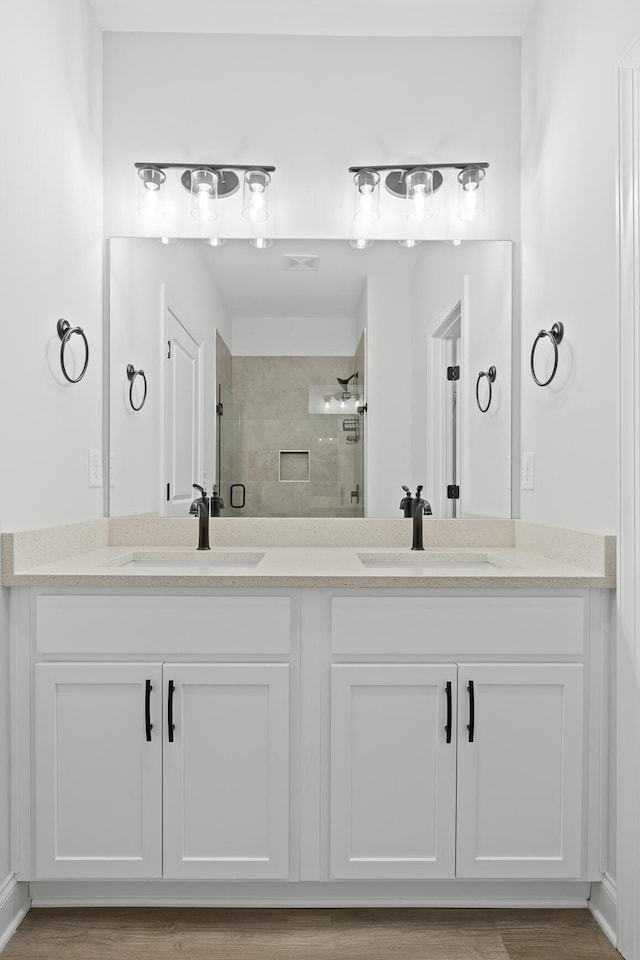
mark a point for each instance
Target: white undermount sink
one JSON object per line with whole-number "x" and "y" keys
{"x": 430, "y": 559}
{"x": 189, "y": 558}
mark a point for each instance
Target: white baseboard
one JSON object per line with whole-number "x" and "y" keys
{"x": 14, "y": 906}
{"x": 602, "y": 904}
{"x": 186, "y": 893}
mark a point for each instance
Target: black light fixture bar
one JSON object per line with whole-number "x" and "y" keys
{"x": 207, "y": 166}
{"x": 414, "y": 166}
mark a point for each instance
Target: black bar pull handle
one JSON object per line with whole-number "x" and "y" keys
{"x": 471, "y": 726}
{"x": 449, "y": 712}
{"x": 170, "y": 724}
{"x": 147, "y": 710}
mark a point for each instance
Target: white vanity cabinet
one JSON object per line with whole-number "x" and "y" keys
{"x": 174, "y": 768}
{"x": 315, "y": 736}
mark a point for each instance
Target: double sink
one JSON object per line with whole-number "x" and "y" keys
{"x": 220, "y": 559}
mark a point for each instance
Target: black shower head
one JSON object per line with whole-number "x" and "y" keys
{"x": 345, "y": 383}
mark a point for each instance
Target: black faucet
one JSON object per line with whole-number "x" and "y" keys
{"x": 200, "y": 508}
{"x": 420, "y": 508}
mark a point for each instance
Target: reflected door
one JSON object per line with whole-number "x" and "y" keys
{"x": 184, "y": 440}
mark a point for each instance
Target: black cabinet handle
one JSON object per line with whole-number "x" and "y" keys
{"x": 170, "y": 724}
{"x": 449, "y": 712}
{"x": 471, "y": 726}
{"x": 147, "y": 710}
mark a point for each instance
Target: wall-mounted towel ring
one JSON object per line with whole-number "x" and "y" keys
{"x": 555, "y": 335}
{"x": 132, "y": 373}
{"x": 65, "y": 332}
{"x": 490, "y": 374}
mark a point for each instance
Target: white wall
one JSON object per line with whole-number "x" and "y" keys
{"x": 138, "y": 270}
{"x": 50, "y": 267}
{"x": 312, "y": 106}
{"x": 478, "y": 275}
{"x": 293, "y": 337}
{"x": 569, "y": 141}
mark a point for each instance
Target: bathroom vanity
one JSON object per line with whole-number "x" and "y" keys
{"x": 309, "y": 716}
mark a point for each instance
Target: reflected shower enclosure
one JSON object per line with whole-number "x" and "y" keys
{"x": 290, "y": 433}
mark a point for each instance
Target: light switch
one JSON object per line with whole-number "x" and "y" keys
{"x": 95, "y": 468}
{"x": 528, "y": 471}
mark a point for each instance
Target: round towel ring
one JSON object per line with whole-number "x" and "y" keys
{"x": 555, "y": 335}
{"x": 132, "y": 373}
{"x": 490, "y": 374}
{"x": 65, "y": 332}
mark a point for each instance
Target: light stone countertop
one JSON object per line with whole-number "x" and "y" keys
{"x": 308, "y": 566}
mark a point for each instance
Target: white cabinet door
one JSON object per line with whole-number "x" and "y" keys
{"x": 520, "y": 783}
{"x": 392, "y": 771}
{"x": 226, "y": 771}
{"x": 98, "y": 779}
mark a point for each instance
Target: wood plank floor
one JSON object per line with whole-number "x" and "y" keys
{"x": 381, "y": 934}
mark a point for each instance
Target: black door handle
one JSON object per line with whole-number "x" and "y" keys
{"x": 471, "y": 726}
{"x": 147, "y": 710}
{"x": 170, "y": 724}
{"x": 449, "y": 712}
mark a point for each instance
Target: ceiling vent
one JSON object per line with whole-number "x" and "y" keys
{"x": 302, "y": 262}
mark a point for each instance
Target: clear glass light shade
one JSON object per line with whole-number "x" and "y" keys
{"x": 410, "y": 242}
{"x": 204, "y": 193}
{"x": 261, "y": 243}
{"x": 361, "y": 243}
{"x": 367, "y": 202}
{"x": 471, "y": 181}
{"x": 255, "y": 203}
{"x": 150, "y": 199}
{"x": 419, "y": 183}
{"x": 214, "y": 241}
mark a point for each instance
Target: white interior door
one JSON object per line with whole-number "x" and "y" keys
{"x": 520, "y": 784}
{"x": 98, "y": 777}
{"x": 392, "y": 771}
{"x": 226, "y": 772}
{"x": 184, "y": 420}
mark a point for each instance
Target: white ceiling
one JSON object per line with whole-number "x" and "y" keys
{"x": 255, "y": 283}
{"x": 348, "y": 18}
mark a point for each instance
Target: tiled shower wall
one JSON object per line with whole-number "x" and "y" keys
{"x": 270, "y": 415}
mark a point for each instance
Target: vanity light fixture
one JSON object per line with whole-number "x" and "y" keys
{"x": 261, "y": 243}
{"x": 214, "y": 241}
{"x": 410, "y": 242}
{"x": 361, "y": 243}
{"x": 417, "y": 184}
{"x": 206, "y": 183}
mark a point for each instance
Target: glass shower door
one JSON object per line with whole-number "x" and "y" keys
{"x": 231, "y": 476}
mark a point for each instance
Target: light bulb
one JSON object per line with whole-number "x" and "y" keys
{"x": 204, "y": 193}
{"x": 149, "y": 198}
{"x": 419, "y": 184}
{"x": 471, "y": 181}
{"x": 367, "y": 202}
{"x": 255, "y": 204}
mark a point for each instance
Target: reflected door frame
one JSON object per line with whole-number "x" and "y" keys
{"x": 439, "y": 416}
{"x": 171, "y": 506}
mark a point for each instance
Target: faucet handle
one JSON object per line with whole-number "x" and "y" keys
{"x": 196, "y": 486}
{"x": 419, "y": 491}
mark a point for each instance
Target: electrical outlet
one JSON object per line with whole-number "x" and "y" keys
{"x": 95, "y": 468}
{"x": 528, "y": 471}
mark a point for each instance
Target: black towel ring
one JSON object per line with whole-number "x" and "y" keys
{"x": 132, "y": 373}
{"x": 65, "y": 332}
{"x": 490, "y": 374}
{"x": 555, "y": 335}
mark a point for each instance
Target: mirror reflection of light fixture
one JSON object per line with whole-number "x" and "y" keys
{"x": 367, "y": 202}
{"x": 150, "y": 180}
{"x": 167, "y": 241}
{"x": 255, "y": 203}
{"x": 419, "y": 183}
{"x": 410, "y": 242}
{"x": 260, "y": 242}
{"x": 214, "y": 241}
{"x": 416, "y": 184}
{"x": 471, "y": 181}
{"x": 204, "y": 193}
{"x": 361, "y": 243}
